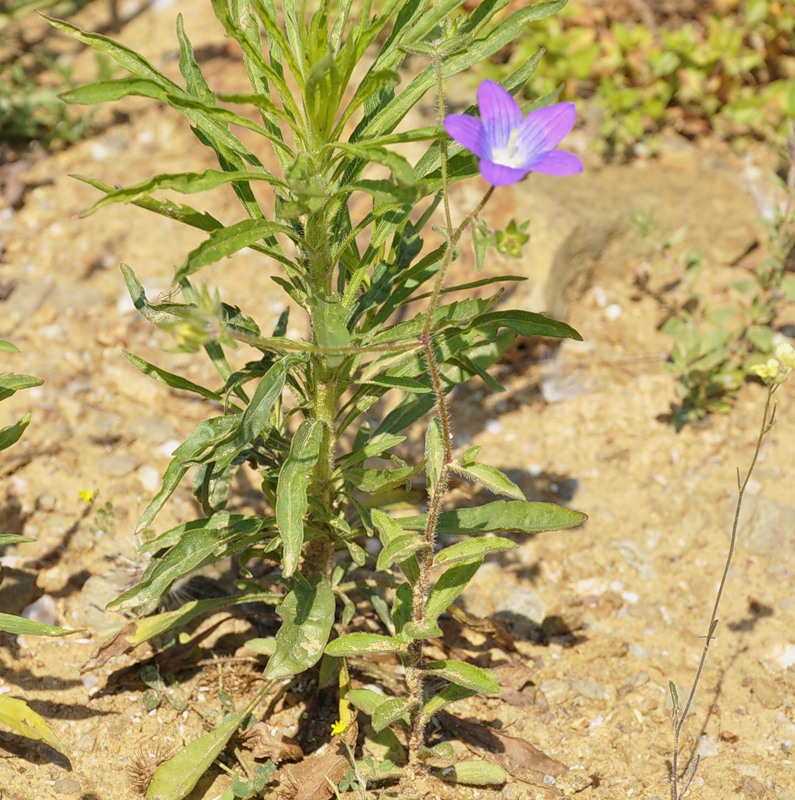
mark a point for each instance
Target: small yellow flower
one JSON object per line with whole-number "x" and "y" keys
{"x": 785, "y": 353}
{"x": 767, "y": 371}
{"x": 338, "y": 728}
{"x": 87, "y": 495}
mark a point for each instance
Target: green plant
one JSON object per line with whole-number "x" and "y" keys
{"x": 15, "y": 714}
{"x": 733, "y": 72}
{"x": 31, "y": 80}
{"x": 773, "y": 373}
{"x": 716, "y": 349}
{"x": 299, "y": 412}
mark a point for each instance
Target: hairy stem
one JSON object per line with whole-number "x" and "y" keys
{"x": 680, "y": 716}
{"x": 414, "y": 658}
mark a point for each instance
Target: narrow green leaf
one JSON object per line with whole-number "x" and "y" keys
{"x": 365, "y": 700}
{"x": 482, "y": 681}
{"x": 255, "y": 420}
{"x": 18, "y": 717}
{"x": 357, "y": 644}
{"x": 472, "y": 548}
{"x": 194, "y": 80}
{"x": 501, "y": 516}
{"x": 291, "y": 492}
{"x": 196, "y": 547}
{"x": 205, "y": 435}
{"x": 11, "y": 382}
{"x": 490, "y": 477}
{"x": 380, "y": 480}
{"x": 474, "y": 773}
{"x": 525, "y": 323}
{"x": 177, "y": 777}
{"x": 450, "y": 584}
{"x": 182, "y": 182}
{"x": 8, "y": 347}
{"x": 169, "y": 379}
{"x": 450, "y": 694}
{"x": 12, "y": 433}
{"x": 227, "y": 241}
{"x": 10, "y": 623}
{"x": 427, "y": 629}
{"x": 399, "y": 549}
{"x": 13, "y": 538}
{"x": 307, "y": 614}
{"x": 377, "y": 445}
{"x": 390, "y": 711}
{"x": 389, "y": 529}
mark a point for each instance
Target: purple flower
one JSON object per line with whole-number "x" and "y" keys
{"x": 508, "y": 146}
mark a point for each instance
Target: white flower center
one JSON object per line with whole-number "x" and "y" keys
{"x": 507, "y": 156}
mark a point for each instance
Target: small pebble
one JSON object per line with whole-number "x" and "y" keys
{"x": 45, "y": 502}
{"x": 554, "y": 691}
{"x": 766, "y": 693}
{"x": 66, "y": 786}
{"x": 41, "y": 610}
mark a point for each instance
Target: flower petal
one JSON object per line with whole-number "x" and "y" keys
{"x": 466, "y": 130}
{"x": 499, "y": 112}
{"x": 543, "y": 129}
{"x": 558, "y": 162}
{"x": 500, "y": 175}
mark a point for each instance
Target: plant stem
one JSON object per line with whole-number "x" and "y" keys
{"x": 414, "y": 657}
{"x": 679, "y": 719}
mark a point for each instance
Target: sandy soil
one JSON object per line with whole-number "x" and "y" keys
{"x": 595, "y": 621}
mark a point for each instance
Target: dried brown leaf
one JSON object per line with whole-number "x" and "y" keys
{"x": 309, "y": 780}
{"x": 521, "y": 759}
{"x": 264, "y": 743}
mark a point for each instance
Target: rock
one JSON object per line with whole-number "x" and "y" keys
{"x": 554, "y": 691}
{"x": 45, "y": 502}
{"x": 117, "y": 466}
{"x": 766, "y": 693}
{"x": 767, "y": 527}
{"x": 751, "y": 787}
{"x": 150, "y": 429}
{"x": 591, "y": 690}
{"x": 66, "y": 786}
{"x": 42, "y": 610}
{"x": 103, "y": 427}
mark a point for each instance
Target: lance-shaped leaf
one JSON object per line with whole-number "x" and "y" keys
{"x": 474, "y": 772}
{"x": 226, "y": 241}
{"x": 450, "y": 584}
{"x": 389, "y": 529}
{"x": 358, "y": 644}
{"x": 525, "y": 323}
{"x": 483, "y": 681}
{"x": 399, "y": 549}
{"x": 307, "y": 613}
{"x": 490, "y": 477}
{"x": 13, "y": 538}
{"x": 255, "y": 420}
{"x": 18, "y": 717}
{"x": 472, "y": 548}
{"x": 205, "y": 435}
{"x": 143, "y": 630}
{"x": 176, "y": 778}
{"x": 9, "y": 623}
{"x": 11, "y": 383}
{"x": 501, "y": 516}
{"x": 434, "y": 453}
{"x": 195, "y": 548}
{"x": 392, "y": 710}
{"x": 182, "y": 182}
{"x": 291, "y": 491}
{"x": 450, "y": 694}
{"x": 169, "y": 379}
{"x": 11, "y": 433}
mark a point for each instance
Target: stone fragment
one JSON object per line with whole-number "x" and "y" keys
{"x": 766, "y": 693}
